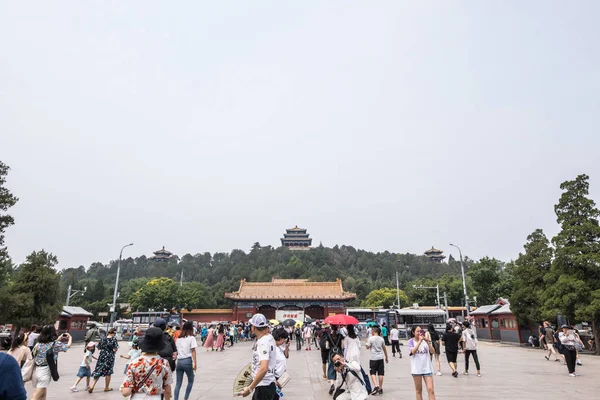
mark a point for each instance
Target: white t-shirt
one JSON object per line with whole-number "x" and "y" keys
{"x": 369, "y": 332}
{"x": 88, "y": 357}
{"x": 32, "y": 338}
{"x": 281, "y": 362}
{"x": 376, "y": 344}
{"x": 420, "y": 362}
{"x": 352, "y": 349}
{"x": 395, "y": 334}
{"x": 469, "y": 336}
{"x": 264, "y": 349}
{"x": 185, "y": 346}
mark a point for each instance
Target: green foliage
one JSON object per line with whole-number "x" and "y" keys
{"x": 32, "y": 296}
{"x": 158, "y": 294}
{"x": 529, "y": 272}
{"x": 489, "y": 279}
{"x": 385, "y": 297}
{"x": 7, "y": 200}
{"x": 451, "y": 284}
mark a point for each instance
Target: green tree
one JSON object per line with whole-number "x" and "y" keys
{"x": 487, "y": 278}
{"x": 96, "y": 292}
{"x": 573, "y": 282}
{"x": 33, "y": 293}
{"x": 158, "y": 294}
{"x": 194, "y": 295}
{"x": 530, "y": 269}
{"x": 384, "y": 297}
{"x": 7, "y": 200}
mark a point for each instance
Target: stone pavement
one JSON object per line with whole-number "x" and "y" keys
{"x": 508, "y": 373}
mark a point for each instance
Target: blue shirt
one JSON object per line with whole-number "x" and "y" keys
{"x": 11, "y": 384}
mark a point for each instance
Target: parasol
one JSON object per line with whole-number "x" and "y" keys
{"x": 274, "y": 322}
{"x": 243, "y": 379}
{"x": 341, "y": 319}
{"x": 372, "y": 323}
{"x": 451, "y": 320}
{"x": 299, "y": 324}
{"x": 289, "y": 322}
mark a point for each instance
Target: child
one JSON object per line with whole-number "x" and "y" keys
{"x": 134, "y": 353}
{"x": 85, "y": 367}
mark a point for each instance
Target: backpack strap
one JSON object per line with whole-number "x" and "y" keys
{"x": 357, "y": 377}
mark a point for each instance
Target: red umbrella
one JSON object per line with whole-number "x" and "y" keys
{"x": 341, "y": 319}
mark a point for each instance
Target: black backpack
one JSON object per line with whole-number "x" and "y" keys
{"x": 323, "y": 333}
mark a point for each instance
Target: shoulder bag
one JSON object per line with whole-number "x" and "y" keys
{"x": 52, "y": 364}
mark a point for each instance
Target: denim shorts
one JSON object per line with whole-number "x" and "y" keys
{"x": 84, "y": 372}
{"x": 429, "y": 374}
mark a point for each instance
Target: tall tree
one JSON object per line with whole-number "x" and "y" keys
{"x": 7, "y": 200}
{"x": 487, "y": 277}
{"x": 158, "y": 294}
{"x": 33, "y": 293}
{"x": 574, "y": 278}
{"x": 385, "y": 297}
{"x": 530, "y": 269}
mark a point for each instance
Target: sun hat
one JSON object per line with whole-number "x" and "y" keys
{"x": 153, "y": 341}
{"x": 91, "y": 344}
{"x": 565, "y": 326}
{"x": 259, "y": 321}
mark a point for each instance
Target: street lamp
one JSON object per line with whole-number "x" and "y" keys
{"x": 113, "y": 309}
{"x": 73, "y": 292}
{"x": 436, "y": 287}
{"x": 462, "y": 269}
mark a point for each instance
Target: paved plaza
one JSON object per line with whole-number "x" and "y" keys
{"x": 509, "y": 372}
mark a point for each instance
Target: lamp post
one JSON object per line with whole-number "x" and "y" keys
{"x": 113, "y": 309}
{"x": 462, "y": 269}
{"x": 71, "y": 293}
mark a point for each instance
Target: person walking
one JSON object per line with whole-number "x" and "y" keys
{"x": 209, "y": 343}
{"x": 220, "y": 337}
{"x": 469, "y": 340}
{"x": 169, "y": 350}
{"x": 134, "y": 353}
{"x": 451, "y": 340}
{"x": 351, "y": 345}
{"x": 85, "y": 367}
{"x": 108, "y": 346}
{"x": 395, "y": 337}
{"x": 376, "y": 366}
{"x": 298, "y": 335}
{"x": 548, "y": 338}
{"x": 186, "y": 359}
{"x": 434, "y": 338}
{"x": 92, "y": 335}
{"x": 282, "y": 348}
{"x": 323, "y": 335}
{"x": 335, "y": 345}
{"x": 420, "y": 349}
{"x": 20, "y": 351}
{"x": 307, "y": 335}
{"x": 33, "y": 335}
{"x": 567, "y": 339}
{"x": 149, "y": 376}
{"x": 264, "y": 359}
{"x": 42, "y": 374}
{"x": 11, "y": 384}
{"x": 384, "y": 334}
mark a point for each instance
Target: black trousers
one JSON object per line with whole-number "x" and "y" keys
{"x": 395, "y": 347}
{"x": 386, "y": 341}
{"x": 571, "y": 359}
{"x": 475, "y": 358}
{"x": 265, "y": 392}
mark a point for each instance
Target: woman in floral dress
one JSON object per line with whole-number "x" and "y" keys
{"x": 149, "y": 376}
{"x": 106, "y": 360}
{"x": 209, "y": 343}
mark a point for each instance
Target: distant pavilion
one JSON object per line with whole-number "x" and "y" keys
{"x": 161, "y": 255}
{"x": 296, "y": 239}
{"x": 435, "y": 255}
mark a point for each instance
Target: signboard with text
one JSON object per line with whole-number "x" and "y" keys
{"x": 282, "y": 315}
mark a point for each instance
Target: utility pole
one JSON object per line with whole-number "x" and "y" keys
{"x": 397, "y": 289}
{"x": 71, "y": 293}
{"x": 462, "y": 269}
{"x": 113, "y": 308}
{"x": 446, "y": 305}
{"x": 181, "y": 279}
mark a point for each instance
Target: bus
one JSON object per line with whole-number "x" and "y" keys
{"x": 404, "y": 318}
{"x": 145, "y": 319}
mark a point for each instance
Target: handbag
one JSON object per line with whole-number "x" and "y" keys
{"x": 27, "y": 370}
{"x": 283, "y": 379}
{"x": 52, "y": 365}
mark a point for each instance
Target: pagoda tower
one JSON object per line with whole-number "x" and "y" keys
{"x": 435, "y": 255}
{"x": 161, "y": 255}
{"x": 296, "y": 239}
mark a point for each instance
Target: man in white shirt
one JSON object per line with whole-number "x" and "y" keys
{"x": 349, "y": 378}
{"x": 395, "y": 336}
{"x": 264, "y": 360}
{"x": 376, "y": 366}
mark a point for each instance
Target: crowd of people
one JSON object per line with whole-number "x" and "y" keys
{"x": 167, "y": 354}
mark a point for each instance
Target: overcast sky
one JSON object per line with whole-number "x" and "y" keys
{"x": 210, "y": 126}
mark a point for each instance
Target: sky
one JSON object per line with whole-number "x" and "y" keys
{"x": 208, "y": 126}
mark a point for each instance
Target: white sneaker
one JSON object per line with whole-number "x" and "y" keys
{"x": 466, "y": 373}
{"x": 74, "y": 389}
{"x": 573, "y": 375}
{"x": 479, "y": 375}
{"x": 439, "y": 373}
